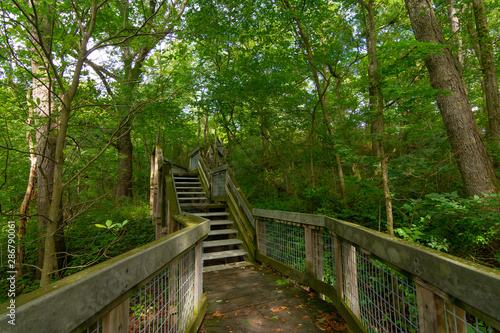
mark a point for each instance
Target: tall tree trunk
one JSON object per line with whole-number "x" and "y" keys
{"x": 490, "y": 78}
{"x": 455, "y": 29}
{"x": 125, "y": 163}
{"x": 377, "y": 108}
{"x": 28, "y": 197}
{"x": 473, "y": 160}
{"x": 45, "y": 129}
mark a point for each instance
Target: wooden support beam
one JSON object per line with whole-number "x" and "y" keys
{"x": 339, "y": 276}
{"x": 198, "y": 275}
{"x": 116, "y": 320}
{"x": 351, "y": 278}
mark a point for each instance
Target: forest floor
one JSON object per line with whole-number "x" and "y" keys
{"x": 255, "y": 299}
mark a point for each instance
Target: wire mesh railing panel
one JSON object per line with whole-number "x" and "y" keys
{"x": 219, "y": 184}
{"x": 383, "y": 299}
{"x": 94, "y": 328}
{"x": 324, "y": 256}
{"x": 283, "y": 242}
{"x": 194, "y": 161}
{"x": 457, "y": 320}
{"x": 166, "y": 303}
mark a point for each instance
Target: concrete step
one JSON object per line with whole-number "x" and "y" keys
{"x": 222, "y": 232}
{"x": 222, "y": 242}
{"x": 224, "y": 254}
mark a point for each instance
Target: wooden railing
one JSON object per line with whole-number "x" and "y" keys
{"x": 135, "y": 289}
{"x": 155, "y": 288}
{"x": 378, "y": 282}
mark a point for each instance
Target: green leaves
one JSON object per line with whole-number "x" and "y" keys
{"x": 112, "y": 226}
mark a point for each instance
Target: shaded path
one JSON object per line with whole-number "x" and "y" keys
{"x": 254, "y": 299}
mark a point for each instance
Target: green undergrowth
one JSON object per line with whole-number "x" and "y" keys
{"x": 87, "y": 244}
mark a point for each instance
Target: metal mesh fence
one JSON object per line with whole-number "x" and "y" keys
{"x": 324, "y": 256}
{"x": 219, "y": 184}
{"x": 457, "y": 320}
{"x": 166, "y": 303}
{"x": 194, "y": 161}
{"x": 283, "y": 242}
{"x": 95, "y": 328}
{"x": 383, "y": 299}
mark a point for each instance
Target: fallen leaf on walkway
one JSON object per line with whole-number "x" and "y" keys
{"x": 279, "y": 309}
{"x": 306, "y": 318}
{"x": 257, "y": 322}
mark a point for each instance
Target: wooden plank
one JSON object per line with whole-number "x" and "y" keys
{"x": 318, "y": 256}
{"x": 430, "y": 311}
{"x": 116, "y": 320}
{"x": 352, "y": 321}
{"x": 224, "y": 254}
{"x": 339, "y": 273}
{"x": 198, "y": 275}
{"x": 309, "y": 245}
{"x": 351, "y": 278}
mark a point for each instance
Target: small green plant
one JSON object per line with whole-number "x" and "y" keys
{"x": 282, "y": 282}
{"x": 113, "y": 227}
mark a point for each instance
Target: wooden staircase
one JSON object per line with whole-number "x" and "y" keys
{"x": 222, "y": 249}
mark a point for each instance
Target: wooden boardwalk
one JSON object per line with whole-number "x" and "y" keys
{"x": 255, "y": 299}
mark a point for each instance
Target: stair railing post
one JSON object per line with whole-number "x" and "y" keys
{"x": 339, "y": 276}
{"x": 198, "y": 275}
{"x": 116, "y": 320}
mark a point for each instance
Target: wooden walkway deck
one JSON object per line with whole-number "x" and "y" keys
{"x": 255, "y": 299}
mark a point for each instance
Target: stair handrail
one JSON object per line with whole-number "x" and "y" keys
{"x": 100, "y": 295}
{"x": 437, "y": 278}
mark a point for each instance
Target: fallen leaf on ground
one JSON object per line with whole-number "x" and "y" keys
{"x": 279, "y": 309}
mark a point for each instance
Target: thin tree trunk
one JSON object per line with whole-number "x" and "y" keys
{"x": 377, "y": 108}
{"x": 125, "y": 164}
{"x": 473, "y": 160}
{"x": 490, "y": 78}
{"x": 28, "y": 197}
{"x": 455, "y": 29}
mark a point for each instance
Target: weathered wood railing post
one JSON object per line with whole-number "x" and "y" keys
{"x": 432, "y": 307}
{"x": 116, "y": 320}
{"x": 339, "y": 275}
{"x": 350, "y": 277}
{"x": 314, "y": 252}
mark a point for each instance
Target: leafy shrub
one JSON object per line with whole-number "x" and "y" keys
{"x": 450, "y": 223}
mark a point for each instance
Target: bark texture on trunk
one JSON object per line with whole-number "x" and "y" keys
{"x": 377, "y": 109}
{"x": 473, "y": 160}
{"x": 125, "y": 165}
{"x": 490, "y": 78}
